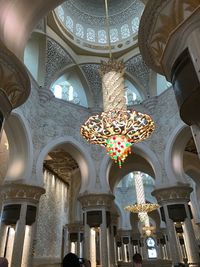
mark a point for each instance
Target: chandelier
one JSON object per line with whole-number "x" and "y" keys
{"x": 142, "y": 208}
{"x": 116, "y": 128}
{"x": 148, "y": 230}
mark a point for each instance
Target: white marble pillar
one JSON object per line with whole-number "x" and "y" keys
{"x": 78, "y": 244}
{"x": 190, "y": 240}
{"x": 167, "y": 246}
{"x": 66, "y": 245}
{"x": 104, "y": 241}
{"x": 86, "y": 246}
{"x": 112, "y": 247}
{"x": 130, "y": 249}
{"x": 122, "y": 250}
{"x": 3, "y": 234}
{"x": 174, "y": 246}
{"x": 19, "y": 237}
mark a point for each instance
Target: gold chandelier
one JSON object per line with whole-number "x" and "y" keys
{"x": 148, "y": 230}
{"x": 116, "y": 128}
{"x": 141, "y": 207}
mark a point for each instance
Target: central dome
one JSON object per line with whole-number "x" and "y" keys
{"x": 85, "y": 21}
{"x": 97, "y": 7}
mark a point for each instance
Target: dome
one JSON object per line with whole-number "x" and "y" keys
{"x": 84, "y": 22}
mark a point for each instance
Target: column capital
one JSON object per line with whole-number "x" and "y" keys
{"x": 14, "y": 81}
{"x": 173, "y": 194}
{"x": 96, "y": 200}
{"x": 74, "y": 227}
{"x": 124, "y": 232}
{"x": 21, "y": 192}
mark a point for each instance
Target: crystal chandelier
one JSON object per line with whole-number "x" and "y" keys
{"x": 142, "y": 208}
{"x": 116, "y": 128}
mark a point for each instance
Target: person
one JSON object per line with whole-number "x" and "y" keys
{"x": 3, "y": 262}
{"x": 71, "y": 260}
{"x": 137, "y": 260}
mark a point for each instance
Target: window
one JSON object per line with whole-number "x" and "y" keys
{"x": 79, "y": 31}
{"x": 125, "y": 32}
{"x": 58, "y": 91}
{"x": 132, "y": 95}
{"x": 151, "y": 248}
{"x": 69, "y": 88}
{"x": 90, "y": 35}
{"x": 114, "y": 35}
{"x": 102, "y": 37}
{"x": 65, "y": 91}
{"x": 69, "y": 23}
{"x": 135, "y": 24}
{"x": 61, "y": 13}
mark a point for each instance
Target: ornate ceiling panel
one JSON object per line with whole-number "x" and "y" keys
{"x": 60, "y": 163}
{"x": 91, "y": 72}
{"x": 137, "y": 68}
{"x": 92, "y": 12}
{"x": 57, "y": 58}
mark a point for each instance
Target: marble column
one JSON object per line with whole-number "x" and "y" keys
{"x": 18, "y": 245}
{"x": 112, "y": 246}
{"x": 74, "y": 228}
{"x": 101, "y": 205}
{"x": 190, "y": 240}
{"x": 174, "y": 245}
{"x": 24, "y": 200}
{"x": 172, "y": 196}
{"x": 104, "y": 240}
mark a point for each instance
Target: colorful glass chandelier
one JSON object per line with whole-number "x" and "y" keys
{"x": 116, "y": 128}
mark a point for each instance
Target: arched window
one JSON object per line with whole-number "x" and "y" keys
{"x": 79, "y": 30}
{"x": 61, "y": 13}
{"x": 70, "y": 90}
{"x": 90, "y": 35}
{"x": 132, "y": 95}
{"x": 69, "y": 23}
{"x": 135, "y": 24}
{"x": 125, "y": 32}
{"x": 64, "y": 90}
{"x": 102, "y": 38}
{"x": 114, "y": 35}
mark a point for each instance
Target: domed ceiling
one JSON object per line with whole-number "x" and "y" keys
{"x": 85, "y": 21}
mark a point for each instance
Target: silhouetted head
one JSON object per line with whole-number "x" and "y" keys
{"x": 3, "y": 262}
{"x": 71, "y": 260}
{"x": 137, "y": 258}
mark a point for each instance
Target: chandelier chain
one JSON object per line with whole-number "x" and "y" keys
{"x": 108, "y": 28}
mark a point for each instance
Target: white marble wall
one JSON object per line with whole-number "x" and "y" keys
{"x": 53, "y": 215}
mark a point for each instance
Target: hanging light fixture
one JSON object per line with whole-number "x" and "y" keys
{"x": 116, "y": 128}
{"x": 142, "y": 208}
